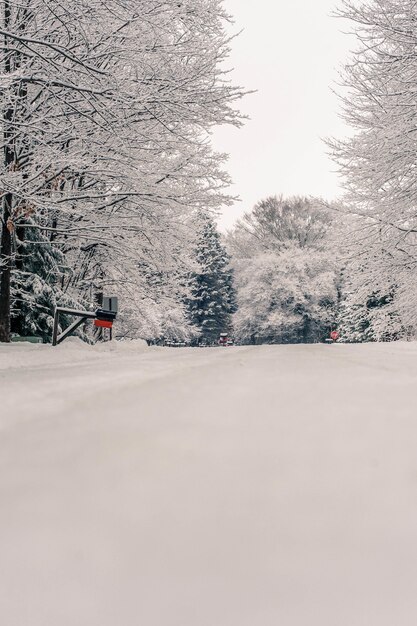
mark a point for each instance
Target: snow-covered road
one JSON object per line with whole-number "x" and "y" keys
{"x": 266, "y": 486}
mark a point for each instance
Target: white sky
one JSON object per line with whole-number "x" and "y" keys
{"x": 290, "y": 51}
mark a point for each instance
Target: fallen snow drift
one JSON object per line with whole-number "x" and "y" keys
{"x": 261, "y": 486}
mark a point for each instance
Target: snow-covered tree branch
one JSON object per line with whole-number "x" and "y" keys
{"x": 106, "y": 113}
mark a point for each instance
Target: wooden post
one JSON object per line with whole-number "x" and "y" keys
{"x": 55, "y": 329}
{"x": 82, "y": 315}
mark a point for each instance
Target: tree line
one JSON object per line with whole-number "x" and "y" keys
{"x": 109, "y": 182}
{"x": 106, "y": 107}
{"x": 359, "y": 274}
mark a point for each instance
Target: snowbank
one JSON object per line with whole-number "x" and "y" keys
{"x": 73, "y": 350}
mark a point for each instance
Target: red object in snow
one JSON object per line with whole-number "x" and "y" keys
{"x": 223, "y": 339}
{"x": 103, "y": 323}
{"x": 334, "y": 335}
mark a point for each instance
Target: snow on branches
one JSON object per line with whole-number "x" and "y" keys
{"x": 379, "y": 161}
{"x": 106, "y": 110}
{"x": 286, "y": 271}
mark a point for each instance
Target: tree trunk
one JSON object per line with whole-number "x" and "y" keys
{"x": 306, "y": 333}
{"x": 6, "y": 234}
{"x": 5, "y": 271}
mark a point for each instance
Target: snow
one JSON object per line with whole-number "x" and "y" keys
{"x": 244, "y": 486}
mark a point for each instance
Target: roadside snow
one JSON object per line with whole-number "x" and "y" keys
{"x": 73, "y": 350}
{"x": 264, "y": 486}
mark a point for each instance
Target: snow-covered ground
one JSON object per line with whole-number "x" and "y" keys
{"x": 266, "y": 486}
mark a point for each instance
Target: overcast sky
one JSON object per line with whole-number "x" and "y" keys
{"x": 290, "y": 52}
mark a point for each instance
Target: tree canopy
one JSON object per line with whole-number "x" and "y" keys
{"x": 106, "y": 109}
{"x": 286, "y": 273}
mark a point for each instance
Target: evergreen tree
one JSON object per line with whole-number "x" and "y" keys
{"x": 367, "y": 313}
{"x": 36, "y": 285}
{"x": 212, "y": 300}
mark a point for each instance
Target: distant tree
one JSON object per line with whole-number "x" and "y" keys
{"x": 212, "y": 294}
{"x": 372, "y": 320}
{"x": 368, "y": 311}
{"x": 287, "y": 275}
{"x": 286, "y": 298}
{"x": 158, "y": 311}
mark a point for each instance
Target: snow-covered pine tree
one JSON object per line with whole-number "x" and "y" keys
{"x": 212, "y": 300}
{"x": 373, "y": 320}
{"x": 368, "y": 312}
{"x": 36, "y": 285}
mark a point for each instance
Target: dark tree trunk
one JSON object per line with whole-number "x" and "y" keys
{"x": 16, "y": 108}
{"x": 306, "y": 333}
{"x": 6, "y": 226}
{"x": 5, "y": 271}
